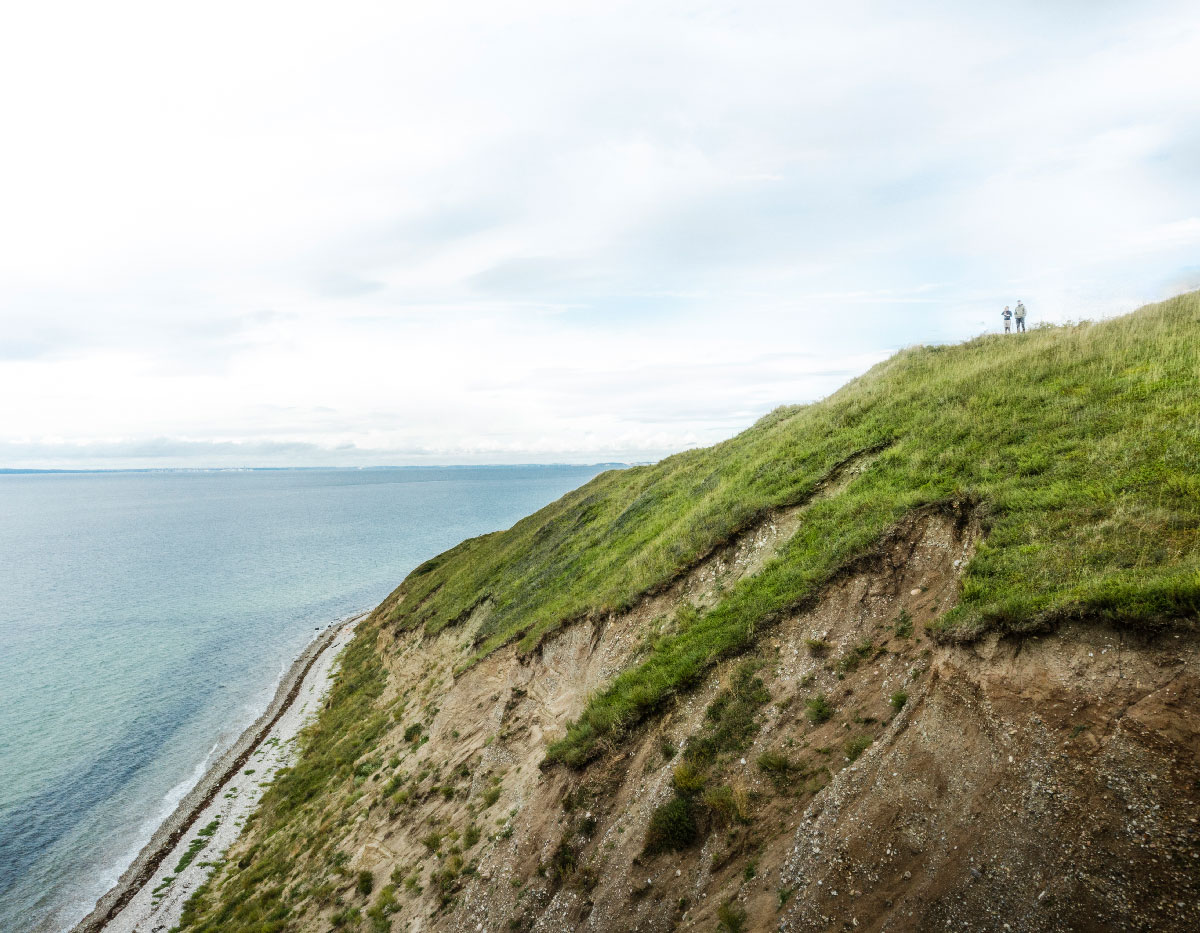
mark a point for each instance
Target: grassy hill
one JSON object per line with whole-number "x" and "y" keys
{"x": 1081, "y": 445}
{"x": 1077, "y": 448}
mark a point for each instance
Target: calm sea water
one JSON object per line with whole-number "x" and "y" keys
{"x": 145, "y": 619}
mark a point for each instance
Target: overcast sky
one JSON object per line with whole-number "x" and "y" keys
{"x": 413, "y": 232}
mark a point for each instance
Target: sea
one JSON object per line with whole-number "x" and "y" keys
{"x": 146, "y": 619}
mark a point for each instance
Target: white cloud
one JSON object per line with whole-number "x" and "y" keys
{"x": 378, "y": 232}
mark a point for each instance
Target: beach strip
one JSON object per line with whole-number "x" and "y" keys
{"x": 177, "y": 859}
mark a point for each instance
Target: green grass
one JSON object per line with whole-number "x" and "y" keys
{"x": 781, "y": 770}
{"x": 196, "y": 845}
{"x": 731, "y": 918}
{"x": 856, "y": 746}
{"x": 672, "y": 826}
{"x": 248, "y": 896}
{"x": 818, "y": 709}
{"x": 731, "y": 720}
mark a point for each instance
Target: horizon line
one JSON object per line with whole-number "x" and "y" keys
{"x": 16, "y": 471}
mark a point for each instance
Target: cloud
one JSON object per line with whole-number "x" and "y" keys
{"x": 530, "y": 229}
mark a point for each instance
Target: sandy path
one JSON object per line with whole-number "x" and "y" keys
{"x": 158, "y": 904}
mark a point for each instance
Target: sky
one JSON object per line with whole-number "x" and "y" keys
{"x": 271, "y": 234}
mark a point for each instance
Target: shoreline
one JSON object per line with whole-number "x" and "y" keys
{"x": 182, "y": 819}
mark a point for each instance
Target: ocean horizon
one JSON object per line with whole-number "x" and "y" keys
{"x": 146, "y": 617}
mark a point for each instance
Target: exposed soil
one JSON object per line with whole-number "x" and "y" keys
{"x": 1034, "y": 784}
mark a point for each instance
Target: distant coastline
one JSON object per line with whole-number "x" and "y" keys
{"x": 28, "y": 471}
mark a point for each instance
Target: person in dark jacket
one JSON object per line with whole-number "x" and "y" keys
{"x": 1007, "y": 315}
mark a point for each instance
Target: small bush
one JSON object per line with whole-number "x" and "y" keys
{"x": 719, "y": 801}
{"x": 385, "y": 905}
{"x": 471, "y": 836}
{"x": 898, "y": 699}
{"x": 855, "y": 747}
{"x": 819, "y": 709}
{"x": 731, "y": 918}
{"x": 817, "y": 647}
{"x": 728, "y": 803}
{"x": 849, "y": 662}
{"x": 672, "y": 827}
{"x": 563, "y": 862}
{"x": 780, "y": 769}
{"x": 448, "y": 880}
{"x": 413, "y": 732}
{"x": 366, "y": 883}
{"x": 903, "y": 626}
{"x": 732, "y": 717}
{"x": 687, "y": 779}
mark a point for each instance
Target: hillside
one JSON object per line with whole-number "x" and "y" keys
{"x": 923, "y": 654}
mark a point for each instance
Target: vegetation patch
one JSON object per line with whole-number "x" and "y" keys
{"x": 849, "y": 662}
{"x": 730, "y": 724}
{"x": 781, "y": 770}
{"x": 818, "y": 709}
{"x": 856, "y": 746}
{"x": 731, "y": 918}
{"x": 197, "y": 845}
{"x": 731, "y": 720}
{"x": 672, "y": 826}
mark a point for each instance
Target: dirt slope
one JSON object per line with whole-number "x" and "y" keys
{"x": 1046, "y": 783}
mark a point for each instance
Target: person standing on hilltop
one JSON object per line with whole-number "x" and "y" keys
{"x": 1020, "y": 316}
{"x": 1007, "y": 315}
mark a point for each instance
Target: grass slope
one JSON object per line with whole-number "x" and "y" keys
{"x": 1080, "y": 445}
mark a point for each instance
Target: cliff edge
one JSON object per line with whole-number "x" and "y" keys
{"x": 923, "y": 655}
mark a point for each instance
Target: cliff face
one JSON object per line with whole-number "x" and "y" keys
{"x": 849, "y": 757}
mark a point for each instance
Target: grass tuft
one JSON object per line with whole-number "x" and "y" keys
{"x": 818, "y": 709}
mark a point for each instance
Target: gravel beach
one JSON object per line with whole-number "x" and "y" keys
{"x": 150, "y": 894}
